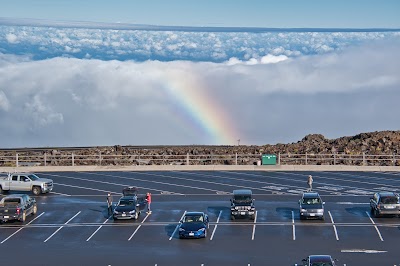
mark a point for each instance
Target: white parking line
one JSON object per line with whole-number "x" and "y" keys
{"x": 334, "y": 226}
{"x": 215, "y": 227}
{"x": 176, "y": 228}
{"x": 254, "y": 226}
{"x": 61, "y": 227}
{"x": 61, "y": 194}
{"x": 137, "y": 229}
{"x": 376, "y": 227}
{"x": 88, "y": 188}
{"x": 293, "y": 226}
{"x": 21, "y": 228}
{"x": 98, "y": 228}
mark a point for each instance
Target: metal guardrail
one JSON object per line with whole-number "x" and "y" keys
{"x": 77, "y": 159}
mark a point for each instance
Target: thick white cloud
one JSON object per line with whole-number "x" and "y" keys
{"x": 4, "y": 104}
{"x": 11, "y": 38}
{"x": 66, "y": 101}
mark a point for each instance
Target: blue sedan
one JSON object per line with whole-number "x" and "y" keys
{"x": 194, "y": 225}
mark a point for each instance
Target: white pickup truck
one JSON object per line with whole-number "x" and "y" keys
{"x": 25, "y": 182}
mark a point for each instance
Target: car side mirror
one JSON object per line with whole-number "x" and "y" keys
{"x": 137, "y": 205}
{"x": 254, "y": 200}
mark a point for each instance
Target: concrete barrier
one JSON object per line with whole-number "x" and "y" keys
{"x": 94, "y": 168}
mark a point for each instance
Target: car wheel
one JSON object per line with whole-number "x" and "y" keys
{"x": 36, "y": 191}
{"x": 34, "y": 211}
{"x": 136, "y": 215}
{"x": 23, "y": 218}
{"x": 253, "y": 217}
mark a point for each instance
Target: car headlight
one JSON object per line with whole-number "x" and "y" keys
{"x": 201, "y": 230}
{"x": 302, "y": 210}
{"x": 181, "y": 230}
{"x": 320, "y": 211}
{"x": 236, "y": 208}
{"x": 131, "y": 212}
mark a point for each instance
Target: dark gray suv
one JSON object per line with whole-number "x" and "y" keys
{"x": 311, "y": 206}
{"x": 385, "y": 203}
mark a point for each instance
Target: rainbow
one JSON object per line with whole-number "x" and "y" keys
{"x": 200, "y": 110}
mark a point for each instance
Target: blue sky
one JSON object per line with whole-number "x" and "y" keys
{"x": 226, "y": 13}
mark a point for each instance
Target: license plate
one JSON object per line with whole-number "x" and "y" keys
{"x": 243, "y": 213}
{"x": 389, "y": 207}
{"x": 6, "y": 217}
{"x": 124, "y": 214}
{"x": 191, "y": 234}
{"x": 312, "y": 214}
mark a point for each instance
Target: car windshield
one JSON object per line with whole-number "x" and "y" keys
{"x": 310, "y": 201}
{"x": 125, "y": 202}
{"x": 241, "y": 198}
{"x": 389, "y": 200}
{"x": 193, "y": 219}
{"x": 33, "y": 177}
{"x": 322, "y": 263}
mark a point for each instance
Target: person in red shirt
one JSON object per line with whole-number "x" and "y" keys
{"x": 148, "y": 199}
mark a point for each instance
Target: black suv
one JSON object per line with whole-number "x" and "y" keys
{"x": 385, "y": 203}
{"x": 242, "y": 204}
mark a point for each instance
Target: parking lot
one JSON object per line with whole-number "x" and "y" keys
{"x": 72, "y": 226}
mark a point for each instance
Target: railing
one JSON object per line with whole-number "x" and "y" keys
{"x": 76, "y": 159}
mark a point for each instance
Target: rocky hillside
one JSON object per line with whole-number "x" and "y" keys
{"x": 373, "y": 143}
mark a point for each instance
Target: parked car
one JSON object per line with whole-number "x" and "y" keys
{"x": 385, "y": 203}
{"x": 129, "y": 207}
{"x": 242, "y": 204}
{"x": 25, "y": 182}
{"x": 319, "y": 260}
{"x": 194, "y": 225}
{"x": 311, "y": 206}
{"x": 17, "y": 207}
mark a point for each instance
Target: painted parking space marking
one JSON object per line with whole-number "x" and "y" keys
{"x": 87, "y": 188}
{"x": 100, "y": 182}
{"x": 206, "y": 182}
{"x": 376, "y": 227}
{"x": 176, "y": 228}
{"x": 216, "y": 225}
{"x": 369, "y": 251}
{"x": 61, "y": 227}
{"x": 334, "y": 226}
{"x": 61, "y": 194}
{"x": 254, "y": 226}
{"x": 21, "y": 228}
{"x": 98, "y": 229}
{"x": 293, "y": 227}
{"x": 137, "y": 229}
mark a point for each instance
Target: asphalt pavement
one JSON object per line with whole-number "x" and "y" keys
{"x": 72, "y": 226}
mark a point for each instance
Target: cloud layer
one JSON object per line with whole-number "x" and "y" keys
{"x": 81, "y": 87}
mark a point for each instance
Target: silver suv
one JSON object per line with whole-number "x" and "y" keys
{"x": 311, "y": 206}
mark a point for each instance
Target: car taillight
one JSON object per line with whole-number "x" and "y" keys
{"x": 18, "y": 210}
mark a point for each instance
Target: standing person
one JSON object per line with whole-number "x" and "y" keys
{"x": 109, "y": 203}
{"x": 148, "y": 199}
{"x": 309, "y": 182}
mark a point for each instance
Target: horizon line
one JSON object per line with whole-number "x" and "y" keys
{"x": 33, "y": 22}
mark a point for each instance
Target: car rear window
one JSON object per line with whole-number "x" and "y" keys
{"x": 12, "y": 201}
{"x": 389, "y": 200}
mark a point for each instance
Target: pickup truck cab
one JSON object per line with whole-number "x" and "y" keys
{"x": 17, "y": 207}
{"x": 25, "y": 182}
